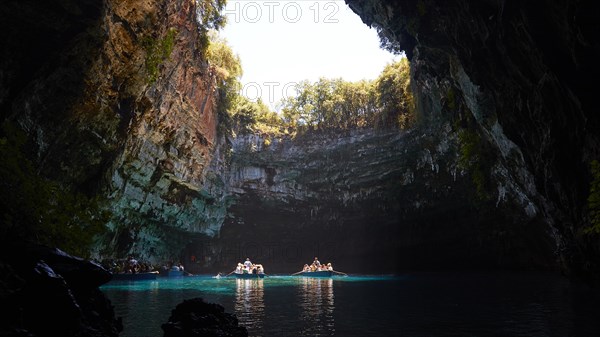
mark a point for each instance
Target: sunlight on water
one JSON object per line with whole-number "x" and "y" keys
{"x": 317, "y": 301}
{"x": 209, "y": 283}
{"x": 313, "y": 297}
{"x": 249, "y": 303}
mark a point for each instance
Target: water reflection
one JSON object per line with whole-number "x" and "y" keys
{"x": 316, "y": 303}
{"x": 249, "y": 303}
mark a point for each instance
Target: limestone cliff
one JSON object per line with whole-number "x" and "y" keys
{"x": 117, "y": 100}
{"x": 517, "y": 73}
{"x": 372, "y": 201}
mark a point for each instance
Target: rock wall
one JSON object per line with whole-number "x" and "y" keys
{"x": 118, "y": 101}
{"x": 517, "y": 73}
{"x": 46, "y": 292}
{"x": 158, "y": 184}
{"x": 370, "y": 201}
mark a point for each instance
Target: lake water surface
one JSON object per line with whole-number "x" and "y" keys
{"x": 415, "y": 304}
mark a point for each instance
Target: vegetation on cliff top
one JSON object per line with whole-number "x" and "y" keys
{"x": 337, "y": 104}
{"x": 210, "y": 18}
{"x": 327, "y": 104}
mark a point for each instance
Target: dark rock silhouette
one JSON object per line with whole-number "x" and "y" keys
{"x": 195, "y": 318}
{"x": 46, "y": 292}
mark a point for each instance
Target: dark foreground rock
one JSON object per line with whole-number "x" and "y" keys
{"x": 46, "y": 292}
{"x": 195, "y": 317}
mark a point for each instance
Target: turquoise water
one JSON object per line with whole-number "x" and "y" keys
{"x": 416, "y": 304}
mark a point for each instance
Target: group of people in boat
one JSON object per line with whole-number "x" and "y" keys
{"x": 317, "y": 266}
{"x": 172, "y": 266}
{"x": 249, "y": 268}
{"x": 130, "y": 265}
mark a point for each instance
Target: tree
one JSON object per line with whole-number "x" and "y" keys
{"x": 209, "y": 16}
{"x": 394, "y": 96}
{"x": 227, "y": 69}
{"x": 209, "y": 13}
{"x": 338, "y": 104}
{"x": 224, "y": 61}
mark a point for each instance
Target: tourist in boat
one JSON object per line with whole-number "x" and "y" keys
{"x": 306, "y": 267}
{"x": 260, "y": 268}
{"x": 132, "y": 265}
{"x": 238, "y": 269}
{"x": 329, "y": 266}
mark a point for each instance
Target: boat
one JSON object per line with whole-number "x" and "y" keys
{"x": 320, "y": 273}
{"x": 135, "y": 276}
{"x": 248, "y": 270}
{"x": 248, "y": 276}
{"x": 172, "y": 272}
{"x": 175, "y": 273}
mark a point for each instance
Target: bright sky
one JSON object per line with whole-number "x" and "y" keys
{"x": 281, "y": 43}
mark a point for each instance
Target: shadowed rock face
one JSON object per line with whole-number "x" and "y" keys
{"x": 46, "y": 292}
{"x": 371, "y": 201}
{"x": 520, "y": 71}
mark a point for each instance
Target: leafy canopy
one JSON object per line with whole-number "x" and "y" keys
{"x": 386, "y": 102}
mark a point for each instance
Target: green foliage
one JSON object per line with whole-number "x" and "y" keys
{"x": 36, "y": 209}
{"x": 234, "y": 111}
{"x": 451, "y": 99}
{"x": 394, "y": 96}
{"x": 473, "y": 158}
{"x": 317, "y": 105}
{"x": 157, "y": 51}
{"x": 227, "y": 69}
{"x": 325, "y": 104}
{"x": 209, "y": 14}
{"x": 210, "y": 18}
{"x": 226, "y": 64}
{"x": 256, "y": 117}
{"x": 594, "y": 199}
{"x": 387, "y": 39}
{"x": 336, "y": 104}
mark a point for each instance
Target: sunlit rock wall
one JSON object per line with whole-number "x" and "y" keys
{"x": 158, "y": 184}
{"x": 118, "y": 102}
